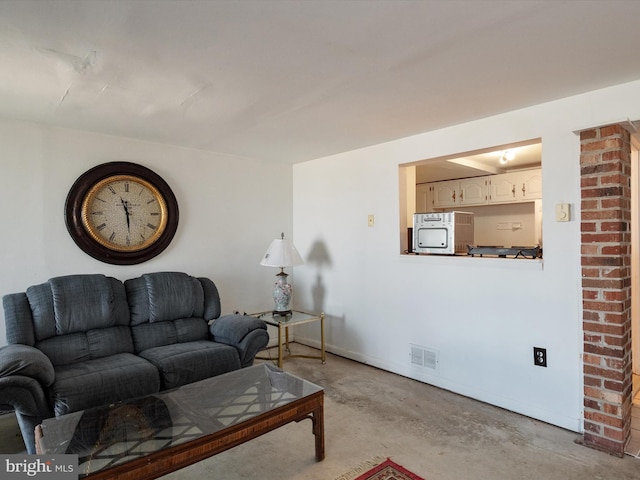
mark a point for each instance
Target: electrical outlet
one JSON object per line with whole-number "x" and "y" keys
{"x": 540, "y": 356}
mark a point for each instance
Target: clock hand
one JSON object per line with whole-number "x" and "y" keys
{"x": 126, "y": 211}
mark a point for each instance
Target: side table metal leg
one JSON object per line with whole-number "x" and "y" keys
{"x": 324, "y": 359}
{"x": 286, "y": 332}
{"x": 279, "y": 346}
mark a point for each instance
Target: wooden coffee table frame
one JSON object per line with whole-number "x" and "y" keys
{"x": 174, "y": 458}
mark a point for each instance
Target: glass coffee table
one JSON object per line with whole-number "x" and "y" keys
{"x": 151, "y": 436}
{"x": 283, "y": 322}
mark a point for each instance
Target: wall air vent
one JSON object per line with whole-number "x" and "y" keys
{"x": 424, "y": 357}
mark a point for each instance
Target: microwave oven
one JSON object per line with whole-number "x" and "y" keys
{"x": 445, "y": 233}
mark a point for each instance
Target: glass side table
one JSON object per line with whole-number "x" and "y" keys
{"x": 296, "y": 317}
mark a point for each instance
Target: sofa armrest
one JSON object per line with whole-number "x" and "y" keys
{"x": 247, "y": 334}
{"x": 24, "y": 395}
{"x": 26, "y": 361}
{"x": 29, "y": 400}
{"x": 231, "y": 329}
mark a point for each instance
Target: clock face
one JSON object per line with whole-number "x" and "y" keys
{"x": 124, "y": 213}
{"x": 121, "y": 213}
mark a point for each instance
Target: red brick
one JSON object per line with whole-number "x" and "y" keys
{"x": 615, "y": 295}
{"x": 615, "y": 363}
{"x": 618, "y": 178}
{"x": 614, "y": 227}
{"x": 611, "y": 130}
{"x": 600, "y": 443}
{"x": 604, "y": 419}
{"x": 589, "y": 134}
{"x": 604, "y": 351}
{"x": 615, "y": 203}
{"x": 603, "y": 144}
{"x": 589, "y": 181}
{"x": 588, "y": 227}
{"x": 604, "y": 373}
{"x": 608, "y": 283}
{"x": 619, "y": 273}
{"x": 601, "y": 260}
{"x": 592, "y": 381}
{"x": 592, "y": 359}
{"x": 603, "y": 328}
{"x": 589, "y": 204}
{"x": 612, "y": 409}
{"x": 601, "y": 215}
{"x": 591, "y": 316}
{"x": 614, "y": 386}
{"x": 601, "y": 238}
{"x": 614, "y": 434}
{"x": 615, "y": 249}
{"x": 590, "y": 249}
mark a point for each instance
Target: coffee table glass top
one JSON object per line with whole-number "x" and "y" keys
{"x": 107, "y": 436}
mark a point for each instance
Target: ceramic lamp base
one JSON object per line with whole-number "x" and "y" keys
{"x": 282, "y": 295}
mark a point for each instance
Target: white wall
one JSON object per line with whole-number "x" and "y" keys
{"x": 230, "y": 210}
{"x": 483, "y": 316}
{"x": 505, "y": 225}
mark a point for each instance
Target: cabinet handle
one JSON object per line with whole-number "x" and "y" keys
{"x": 453, "y": 196}
{"x": 461, "y": 195}
{"x": 513, "y": 191}
{"x": 523, "y": 190}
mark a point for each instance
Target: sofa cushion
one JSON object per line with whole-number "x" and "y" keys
{"x": 162, "y": 296}
{"x": 80, "y": 347}
{"x": 84, "y": 302}
{"x": 183, "y": 363}
{"x": 173, "y": 295}
{"x": 102, "y": 381}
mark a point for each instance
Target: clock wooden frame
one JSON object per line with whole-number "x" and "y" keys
{"x": 86, "y": 185}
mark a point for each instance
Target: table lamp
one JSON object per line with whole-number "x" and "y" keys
{"x": 281, "y": 253}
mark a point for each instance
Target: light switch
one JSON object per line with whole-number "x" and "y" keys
{"x": 563, "y": 212}
{"x": 370, "y": 220}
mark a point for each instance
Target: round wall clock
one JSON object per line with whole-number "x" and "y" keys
{"x": 121, "y": 213}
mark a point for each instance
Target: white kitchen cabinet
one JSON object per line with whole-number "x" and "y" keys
{"x": 473, "y": 191}
{"x": 503, "y": 188}
{"x": 445, "y": 194}
{"x": 424, "y": 201}
{"x": 530, "y": 184}
{"x": 513, "y": 187}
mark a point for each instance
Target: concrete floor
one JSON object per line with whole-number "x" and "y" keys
{"x": 438, "y": 435}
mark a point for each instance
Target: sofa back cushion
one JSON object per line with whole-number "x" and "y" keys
{"x": 170, "y": 307}
{"x": 71, "y": 318}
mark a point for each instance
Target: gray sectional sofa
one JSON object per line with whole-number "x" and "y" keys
{"x": 81, "y": 341}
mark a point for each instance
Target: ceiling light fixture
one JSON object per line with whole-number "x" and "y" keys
{"x": 506, "y": 156}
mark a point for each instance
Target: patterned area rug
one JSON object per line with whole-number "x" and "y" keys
{"x": 382, "y": 469}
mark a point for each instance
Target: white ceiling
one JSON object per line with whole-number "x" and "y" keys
{"x": 526, "y": 155}
{"x": 287, "y": 80}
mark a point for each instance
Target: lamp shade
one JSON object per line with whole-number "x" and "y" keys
{"x": 281, "y": 253}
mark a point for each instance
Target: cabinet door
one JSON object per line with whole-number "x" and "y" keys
{"x": 445, "y": 194}
{"x": 503, "y": 189}
{"x": 530, "y": 184}
{"x": 424, "y": 203}
{"x": 473, "y": 191}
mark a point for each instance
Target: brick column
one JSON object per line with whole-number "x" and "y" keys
{"x": 605, "y": 162}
